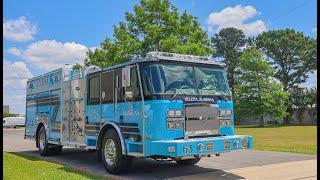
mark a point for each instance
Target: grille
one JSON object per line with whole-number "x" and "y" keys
{"x": 201, "y": 119}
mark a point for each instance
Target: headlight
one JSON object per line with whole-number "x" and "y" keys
{"x": 171, "y": 125}
{"x": 225, "y": 122}
{"x": 178, "y": 113}
{"x": 179, "y": 125}
{"x": 175, "y": 119}
{"x": 170, "y": 113}
{"x": 174, "y": 113}
{"x": 225, "y": 112}
{"x": 225, "y": 117}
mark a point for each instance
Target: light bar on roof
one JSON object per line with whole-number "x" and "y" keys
{"x": 175, "y": 56}
{"x": 155, "y": 55}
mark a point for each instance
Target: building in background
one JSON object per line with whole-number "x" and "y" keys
{"x": 6, "y": 109}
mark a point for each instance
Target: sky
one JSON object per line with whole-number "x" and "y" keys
{"x": 39, "y": 36}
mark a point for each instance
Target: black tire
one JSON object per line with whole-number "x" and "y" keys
{"x": 188, "y": 162}
{"x": 120, "y": 161}
{"x": 56, "y": 149}
{"x": 43, "y": 149}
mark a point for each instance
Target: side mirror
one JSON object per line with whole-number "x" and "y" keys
{"x": 126, "y": 77}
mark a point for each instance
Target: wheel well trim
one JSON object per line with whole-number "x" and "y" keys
{"x": 114, "y": 126}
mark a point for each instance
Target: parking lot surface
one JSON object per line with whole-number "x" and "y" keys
{"x": 248, "y": 164}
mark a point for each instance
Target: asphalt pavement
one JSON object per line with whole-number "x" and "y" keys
{"x": 247, "y": 164}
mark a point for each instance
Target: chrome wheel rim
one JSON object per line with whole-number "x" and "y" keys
{"x": 110, "y": 151}
{"x": 42, "y": 140}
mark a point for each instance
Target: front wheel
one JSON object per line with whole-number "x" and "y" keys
{"x": 188, "y": 162}
{"x": 42, "y": 142}
{"x": 112, "y": 157}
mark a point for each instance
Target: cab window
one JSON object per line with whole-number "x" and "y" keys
{"x": 94, "y": 90}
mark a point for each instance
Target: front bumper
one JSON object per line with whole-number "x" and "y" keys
{"x": 198, "y": 146}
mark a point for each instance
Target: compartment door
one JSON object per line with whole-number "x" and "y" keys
{"x": 66, "y": 111}
{"x": 77, "y": 121}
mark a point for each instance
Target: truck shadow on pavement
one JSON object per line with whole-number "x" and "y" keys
{"x": 85, "y": 161}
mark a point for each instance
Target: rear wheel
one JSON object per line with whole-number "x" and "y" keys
{"x": 111, "y": 153}
{"x": 42, "y": 142}
{"x": 188, "y": 162}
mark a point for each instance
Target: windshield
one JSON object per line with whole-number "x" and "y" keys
{"x": 183, "y": 79}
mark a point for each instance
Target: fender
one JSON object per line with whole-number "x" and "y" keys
{"x": 102, "y": 130}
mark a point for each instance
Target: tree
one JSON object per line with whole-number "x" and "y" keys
{"x": 155, "y": 25}
{"x": 304, "y": 100}
{"x": 257, "y": 94}
{"x": 229, "y": 44}
{"x": 311, "y": 95}
{"x": 299, "y": 101}
{"x": 6, "y": 114}
{"x": 77, "y": 66}
{"x": 292, "y": 56}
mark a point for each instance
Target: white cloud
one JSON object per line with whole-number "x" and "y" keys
{"x": 49, "y": 54}
{"x": 237, "y": 17}
{"x": 45, "y": 55}
{"x": 15, "y": 75}
{"x": 19, "y": 29}
{"x": 14, "y": 51}
{"x": 311, "y": 81}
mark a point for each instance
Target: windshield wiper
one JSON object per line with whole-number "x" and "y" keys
{"x": 176, "y": 93}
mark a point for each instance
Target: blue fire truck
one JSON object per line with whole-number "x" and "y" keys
{"x": 163, "y": 106}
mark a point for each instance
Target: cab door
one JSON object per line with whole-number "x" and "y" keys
{"x": 128, "y": 107}
{"x": 92, "y": 113}
{"x": 107, "y": 96}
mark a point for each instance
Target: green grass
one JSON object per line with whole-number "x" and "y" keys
{"x": 296, "y": 139}
{"x": 18, "y": 166}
